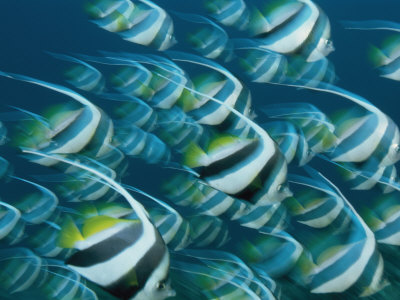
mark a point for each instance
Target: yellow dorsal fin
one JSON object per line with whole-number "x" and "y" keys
{"x": 193, "y": 156}
{"x": 222, "y": 141}
{"x": 99, "y": 223}
{"x": 69, "y": 234}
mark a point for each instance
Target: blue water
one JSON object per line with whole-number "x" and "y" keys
{"x": 30, "y": 28}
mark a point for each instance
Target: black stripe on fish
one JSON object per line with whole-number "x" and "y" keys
{"x": 108, "y": 248}
{"x": 228, "y": 162}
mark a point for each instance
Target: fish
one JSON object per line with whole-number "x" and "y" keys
{"x": 265, "y": 66}
{"x": 373, "y": 130}
{"x": 178, "y": 130}
{"x": 133, "y": 111}
{"x": 259, "y": 64}
{"x": 229, "y": 13}
{"x": 382, "y": 217}
{"x": 103, "y": 230}
{"x": 206, "y": 38}
{"x": 189, "y": 192}
{"x": 38, "y": 206}
{"x": 291, "y": 141}
{"x": 81, "y": 75}
{"x": 140, "y": 21}
{"x": 366, "y": 133}
{"x": 22, "y": 273}
{"x": 135, "y": 142}
{"x": 232, "y": 159}
{"x": 316, "y": 126}
{"x": 216, "y": 274}
{"x": 386, "y": 56}
{"x": 349, "y": 257}
{"x": 133, "y": 80}
{"x": 70, "y": 129}
{"x": 159, "y": 91}
{"x": 293, "y": 27}
{"x": 264, "y": 249}
{"x": 218, "y": 83}
{"x": 265, "y": 160}
{"x": 258, "y": 216}
{"x": 135, "y": 279}
{"x": 28, "y": 275}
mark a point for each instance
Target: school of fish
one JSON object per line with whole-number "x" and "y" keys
{"x": 237, "y": 207}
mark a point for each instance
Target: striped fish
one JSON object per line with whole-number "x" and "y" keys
{"x": 311, "y": 73}
{"x": 33, "y": 208}
{"x": 316, "y": 205}
{"x": 215, "y": 275}
{"x": 275, "y": 253}
{"x": 386, "y": 58}
{"x": 137, "y": 264}
{"x": 132, "y": 111}
{"x": 263, "y": 65}
{"x": 317, "y": 128}
{"x": 45, "y": 241}
{"x": 165, "y": 89}
{"x": 263, "y": 167}
{"x": 208, "y": 231}
{"x": 260, "y": 65}
{"x": 229, "y": 13}
{"x": 384, "y": 219}
{"x": 369, "y": 135}
{"x": 135, "y": 142}
{"x": 229, "y": 159}
{"x": 291, "y": 141}
{"x": 186, "y": 191}
{"x": 267, "y": 215}
{"x": 133, "y": 80}
{"x": 349, "y": 257}
{"x": 217, "y": 83}
{"x": 204, "y": 36}
{"x": 36, "y": 207}
{"x": 178, "y": 130}
{"x": 26, "y": 275}
{"x": 11, "y": 223}
{"x": 293, "y": 27}
{"x": 366, "y": 136}
{"x": 368, "y": 176}
{"x": 205, "y": 200}
{"x": 139, "y": 21}
{"x": 72, "y": 128}
{"x": 21, "y": 270}
{"x": 63, "y": 283}
{"x": 82, "y": 75}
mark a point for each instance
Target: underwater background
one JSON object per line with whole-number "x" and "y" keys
{"x": 29, "y": 30}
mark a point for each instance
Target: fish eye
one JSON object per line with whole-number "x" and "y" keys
{"x": 328, "y": 44}
{"x": 160, "y": 285}
{"x": 396, "y": 148}
{"x": 280, "y": 188}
